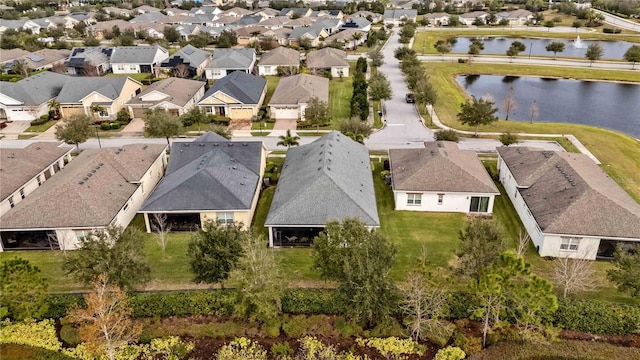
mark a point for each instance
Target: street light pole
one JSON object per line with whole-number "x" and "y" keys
{"x": 530, "y": 47}
{"x": 98, "y": 135}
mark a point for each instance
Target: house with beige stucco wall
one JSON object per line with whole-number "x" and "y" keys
{"x": 237, "y": 96}
{"x": 100, "y": 187}
{"x": 112, "y": 93}
{"x": 209, "y": 179}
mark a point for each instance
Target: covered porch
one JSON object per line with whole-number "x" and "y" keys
{"x": 176, "y": 222}
{"x": 29, "y": 240}
{"x": 607, "y": 248}
{"x": 293, "y": 236}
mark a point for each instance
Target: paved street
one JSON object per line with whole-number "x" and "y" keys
{"x": 523, "y": 60}
{"x": 618, "y": 21}
{"x": 403, "y": 126}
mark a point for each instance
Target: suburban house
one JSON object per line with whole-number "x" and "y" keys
{"x": 357, "y": 23}
{"x": 226, "y": 61}
{"x": 175, "y": 95}
{"x": 310, "y": 33}
{"x": 99, "y": 30}
{"x": 238, "y": 96}
{"x": 44, "y": 58}
{"x": 8, "y": 56}
{"x": 27, "y": 99}
{"x": 193, "y": 58}
{"x": 281, "y": 35}
{"x": 441, "y": 178}
{"x": 208, "y": 179}
{"x": 327, "y": 180}
{"x": 89, "y": 61}
{"x": 346, "y": 38}
{"x": 137, "y": 59}
{"x": 103, "y": 187}
{"x": 111, "y": 93}
{"x": 23, "y": 170}
{"x": 280, "y": 57}
{"x": 516, "y": 17}
{"x": 299, "y": 12}
{"x": 438, "y": 19}
{"x": 397, "y": 16}
{"x": 470, "y": 18}
{"x": 292, "y": 94}
{"x": 375, "y": 17}
{"x": 116, "y": 11}
{"x": 329, "y": 25}
{"x": 329, "y": 59}
{"x": 568, "y": 205}
{"x": 249, "y": 34}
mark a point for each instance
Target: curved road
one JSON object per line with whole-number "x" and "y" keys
{"x": 611, "y": 65}
{"x": 403, "y": 124}
{"x": 618, "y": 21}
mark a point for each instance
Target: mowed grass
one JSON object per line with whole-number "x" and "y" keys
{"x": 272, "y": 84}
{"x": 619, "y": 153}
{"x": 340, "y": 92}
{"x": 41, "y": 128}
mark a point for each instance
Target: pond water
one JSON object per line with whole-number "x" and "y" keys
{"x": 500, "y": 44}
{"x": 608, "y": 105}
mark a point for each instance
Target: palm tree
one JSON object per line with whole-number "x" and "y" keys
{"x": 288, "y": 140}
{"x": 96, "y": 109}
{"x": 356, "y": 36}
{"x": 54, "y": 107}
{"x": 356, "y": 136}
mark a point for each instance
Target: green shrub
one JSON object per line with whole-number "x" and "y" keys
{"x": 221, "y": 120}
{"x": 462, "y": 61}
{"x": 386, "y": 328}
{"x": 611, "y": 31}
{"x": 115, "y": 125}
{"x": 41, "y": 120}
{"x": 60, "y": 303}
{"x": 347, "y": 328}
{"x": 447, "y": 135}
{"x": 282, "y": 349}
{"x": 295, "y": 326}
{"x": 461, "y": 304}
{"x": 10, "y": 77}
{"x": 312, "y": 301}
{"x": 38, "y": 334}
{"x": 450, "y": 353}
{"x": 105, "y": 126}
{"x": 182, "y": 303}
{"x": 403, "y": 52}
{"x": 69, "y": 335}
{"x": 508, "y": 138}
{"x": 597, "y": 317}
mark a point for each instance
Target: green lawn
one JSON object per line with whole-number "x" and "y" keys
{"x": 272, "y": 83}
{"x": 619, "y": 153}
{"x": 41, "y": 128}
{"x": 340, "y": 91}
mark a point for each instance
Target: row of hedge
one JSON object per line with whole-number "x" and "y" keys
{"x": 596, "y": 317}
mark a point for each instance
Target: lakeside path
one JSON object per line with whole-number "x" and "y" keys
{"x": 560, "y": 62}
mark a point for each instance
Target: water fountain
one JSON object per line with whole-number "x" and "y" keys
{"x": 578, "y": 43}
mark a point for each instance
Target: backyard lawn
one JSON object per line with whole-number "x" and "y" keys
{"x": 340, "y": 91}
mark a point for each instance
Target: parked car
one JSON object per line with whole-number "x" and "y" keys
{"x": 409, "y": 98}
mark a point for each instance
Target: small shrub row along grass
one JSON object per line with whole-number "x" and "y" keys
{"x": 590, "y": 316}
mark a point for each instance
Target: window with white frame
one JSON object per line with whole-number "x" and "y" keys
{"x": 81, "y": 234}
{"x": 479, "y": 204}
{"x": 11, "y": 203}
{"x": 225, "y": 217}
{"x": 414, "y": 199}
{"x": 569, "y": 243}
{"x": 22, "y": 195}
{"x": 440, "y": 199}
{"x": 120, "y": 67}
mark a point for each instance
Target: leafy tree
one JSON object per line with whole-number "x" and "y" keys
{"x": 171, "y": 34}
{"x": 359, "y": 259}
{"x": 594, "y": 52}
{"x": 479, "y": 22}
{"x": 477, "y": 112}
{"x": 74, "y": 130}
{"x": 476, "y": 46}
{"x": 195, "y": 115}
{"x": 376, "y": 56}
{"x": 509, "y": 102}
{"x": 632, "y": 55}
{"x": 215, "y": 250}
{"x": 442, "y": 47}
{"x": 549, "y": 24}
{"x": 447, "y": 135}
{"x": 516, "y": 48}
{"x": 355, "y": 129}
{"x": 503, "y": 22}
{"x": 426, "y": 94}
{"x": 201, "y": 40}
{"x": 626, "y": 273}
{"x": 96, "y": 109}
{"x": 555, "y": 47}
{"x": 159, "y": 123}
{"x": 24, "y": 289}
{"x": 317, "y": 112}
{"x": 54, "y": 108}
{"x": 91, "y": 41}
{"x": 105, "y": 324}
{"x": 288, "y": 140}
{"x": 481, "y": 243}
{"x": 356, "y": 38}
{"x": 114, "y": 253}
{"x": 227, "y": 39}
{"x": 379, "y": 87}
{"x": 577, "y": 24}
{"x": 258, "y": 281}
{"x": 508, "y": 138}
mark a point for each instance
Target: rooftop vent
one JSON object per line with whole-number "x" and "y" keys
{"x": 145, "y": 147}
{"x": 245, "y": 144}
{"x": 201, "y": 144}
{"x": 230, "y": 144}
{"x": 80, "y": 182}
{"x": 215, "y": 144}
{"x": 85, "y": 178}
{"x": 186, "y": 144}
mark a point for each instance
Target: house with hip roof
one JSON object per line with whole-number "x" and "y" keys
{"x": 329, "y": 59}
{"x": 175, "y": 95}
{"x": 208, "y": 179}
{"x": 567, "y": 204}
{"x": 137, "y": 59}
{"x": 279, "y": 57}
{"x": 27, "y": 99}
{"x": 293, "y": 93}
{"x": 237, "y": 96}
{"x": 329, "y": 179}
{"x": 441, "y": 178}
{"x": 100, "y": 187}
{"x": 22, "y": 171}
{"x": 226, "y": 61}
{"x": 195, "y": 60}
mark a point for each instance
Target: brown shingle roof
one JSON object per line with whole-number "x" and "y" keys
{"x": 440, "y": 166}
{"x": 326, "y": 58}
{"x": 92, "y": 189}
{"x": 179, "y": 92}
{"x": 17, "y": 166}
{"x": 300, "y": 89}
{"x": 281, "y": 56}
{"x": 568, "y": 193}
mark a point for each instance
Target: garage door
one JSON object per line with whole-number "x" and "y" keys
{"x": 241, "y": 114}
{"x": 138, "y": 112}
{"x": 284, "y": 113}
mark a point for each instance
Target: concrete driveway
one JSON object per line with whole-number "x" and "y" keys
{"x": 403, "y": 125}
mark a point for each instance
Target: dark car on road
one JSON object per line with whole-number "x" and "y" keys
{"x": 409, "y": 98}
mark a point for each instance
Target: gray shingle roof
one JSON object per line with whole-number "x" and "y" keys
{"x": 329, "y": 179}
{"x": 312, "y": 32}
{"x": 398, "y": 13}
{"x": 192, "y": 55}
{"x": 281, "y": 56}
{"x": 441, "y": 166}
{"x": 93, "y": 187}
{"x": 569, "y": 194}
{"x": 232, "y": 58}
{"x": 326, "y": 58}
{"x": 136, "y": 54}
{"x": 241, "y": 86}
{"x": 36, "y": 89}
{"x": 210, "y": 136}
{"x": 77, "y": 88}
{"x": 21, "y": 165}
{"x": 299, "y": 89}
{"x": 220, "y": 175}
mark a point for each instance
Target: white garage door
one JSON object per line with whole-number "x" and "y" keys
{"x": 284, "y": 113}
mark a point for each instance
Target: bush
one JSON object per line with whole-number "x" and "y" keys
{"x": 69, "y": 335}
{"x": 41, "y": 120}
{"x": 295, "y": 326}
{"x": 115, "y": 125}
{"x": 447, "y": 135}
{"x": 123, "y": 116}
{"x": 508, "y": 138}
{"x": 328, "y": 75}
{"x": 282, "y": 349}
{"x": 597, "y": 317}
{"x": 220, "y": 120}
{"x": 312, "y": 301}
{"x": 347, "y": 328}
{"x": 38, "y": 334}
{"x": 450, "y": 353}
{"x": 611, "y": 31}
{"x": 462, "y": 61}
{"x": 105, "y": 126}
{"x": 402, "y": 52}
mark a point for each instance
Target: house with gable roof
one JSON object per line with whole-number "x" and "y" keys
{"x": 208, "y": 179}
{"x": 227, "y": 61}
{"x": 329, "y": 179}
{"x": 568, "y": 205}
{"x": 293, "y": 93}
{"x": 193, "y": 58}
{"x": 278, "y": 57}
{"x": 89, "y": 61}
{"x": 175, "y": 95}
{"x": 238, "y": 96}
{"x": 103, "y": 187}
{"x": 137, "y": 59}
{"x": 441, "y": 178}
{"x": 112, "y": 93}
{"x": 329, "y": 59}
{"x": 397, "y": 16}
{"x": 27, "y": 99}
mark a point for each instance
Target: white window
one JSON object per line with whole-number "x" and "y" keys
{"x": 225, "y": 218}
{"x": 479, "y": 204}
{"x": 414, "y": 199}
{"x": 125, "y": 207}
{"x": 11, "y": 203}
{"x": 133, "y": 67}
{"x": 570, "y": 243}
{"x": 440, "y": 199}
{"x": 81, "y": 234}
{"x": 120, "y": 67}
{"x": 22, "y": 195}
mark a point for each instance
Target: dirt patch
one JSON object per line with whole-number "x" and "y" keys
{"x": 632, "y": 340}
{"x": 240, "y": 124}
